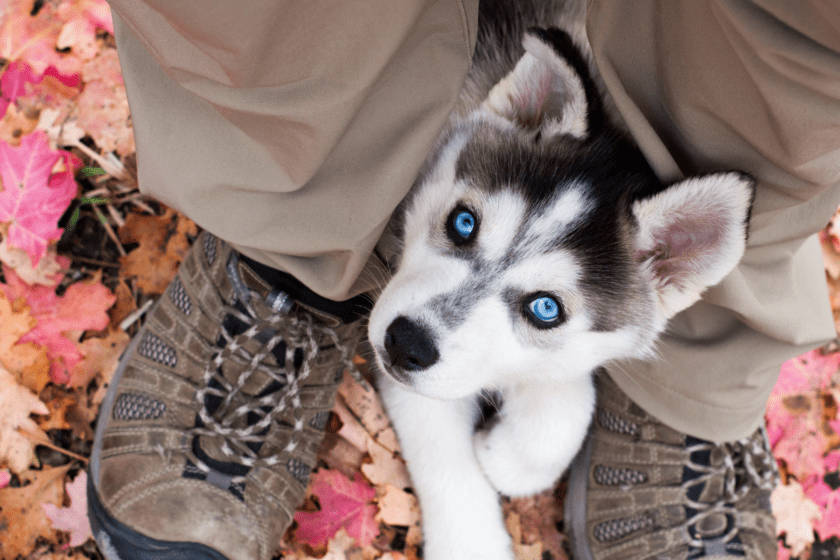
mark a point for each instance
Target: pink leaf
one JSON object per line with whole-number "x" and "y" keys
{"x": 784, "y": 552}
{"x": 344, "y": 503}
{"x": 33, "y": 198}
{"x": 82, "y": 307}
{"x": 829, "y": 525}
{"x": 14, "y": 80}
{"x": 73, "y": 519}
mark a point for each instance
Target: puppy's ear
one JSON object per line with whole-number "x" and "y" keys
{"x": 551, "y": 90}
{"x": 691, "y": 235}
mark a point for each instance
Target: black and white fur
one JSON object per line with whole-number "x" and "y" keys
{"x": 563, "y": 207}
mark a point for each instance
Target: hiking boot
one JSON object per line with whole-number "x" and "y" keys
{"x": 641, "y": 490}
{"x": 213, "y": 419}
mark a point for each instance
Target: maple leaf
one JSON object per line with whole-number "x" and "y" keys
{"x": 33, "y": 197}
{"x": 82, "y": 307}
{"x": 72, "y": 519}
{"x": 24, "y": 524}
{"x": 28, "y": 362}
{"x": 33, "y": 38}
{"x": 163, "y": 244}
{"x": 344, "y": 503}
{"x": 794, "y": 514}
{"x": 16, "y": 404}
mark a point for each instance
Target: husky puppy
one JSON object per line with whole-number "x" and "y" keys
{"x": 537, "y": 246}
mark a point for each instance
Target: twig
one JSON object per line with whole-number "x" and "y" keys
{"x": 95, "y": 193}
{"x": 94, "y": 261}
{"x": 135, "y": 315}
{"x": 144, "y": 206}
{"x": 109, "y": 231}
{"x": 115, "y": 215}
{"x": 107, "y": 163}
{"x": 47, "y": 443}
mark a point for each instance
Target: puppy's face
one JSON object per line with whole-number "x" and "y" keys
{"x": 511, "y": 272}
{"x": 534, "y": 247}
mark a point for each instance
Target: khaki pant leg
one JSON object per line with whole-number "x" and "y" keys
{"x": 755, "y": 86}
{"x": 291, "y": 129}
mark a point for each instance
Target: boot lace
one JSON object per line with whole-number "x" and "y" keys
{"x": 302, "y": 335}
{"x": 747, "y": 464}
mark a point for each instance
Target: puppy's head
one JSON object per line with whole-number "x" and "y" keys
{"x": 538, "y": 244}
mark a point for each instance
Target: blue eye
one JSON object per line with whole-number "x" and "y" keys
{"x": 461, "y": 225}
{"x": 464, "y": 223}
{"x": 544, "y": 311}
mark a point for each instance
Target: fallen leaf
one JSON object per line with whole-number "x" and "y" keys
{"x": 82, "y": 307}
{"x": 16, "y": 404}
{"x": 386, "y": 468}
{"x": 125, "y": 305}
{"x": 398, "y": 507}
{"x": 33, "y": 196}
{"x": 102, "y": 111}
{"x": 101, "y": 356}
{"x": 344, "y": 503}
{"x": 72, "y": 519}
{"x": 58, "y": 403}
{"x": 47, "y": 273}
{"x": 21, "y": 516}
{"x": 28, "y": 362}
{"x": 366, "y": 406}
{"x": 538, "y": 518}
{"x": 163, "y": 244}
{"x": 522, "y": 551}
{"x": 794, "y": 514}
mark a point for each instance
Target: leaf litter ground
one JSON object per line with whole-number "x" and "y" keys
{"x": 83, "y": 257}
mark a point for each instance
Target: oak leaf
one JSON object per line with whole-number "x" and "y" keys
{"x": 72, "y": 519}
{"x": 163, "y": 244}
{"x": 21, "y": 516}
{"x": 344, "y": 503}
{"x": 16, "y": 404}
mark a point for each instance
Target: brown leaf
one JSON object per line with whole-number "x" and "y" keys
{"x": 57, "y": 401}
{"x": 21, "y": 515}
{"x": 101, "y": 356}
{"x": 125, "y": 305}
{"x": 163, "y": 245}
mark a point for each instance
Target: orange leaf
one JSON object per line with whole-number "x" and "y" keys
{"x": 27, "y": 362}
{"x": 21, "y": 516}
{"x": 163, "y": 245}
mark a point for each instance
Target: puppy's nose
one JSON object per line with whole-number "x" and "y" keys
{"x": 409, "y": 345}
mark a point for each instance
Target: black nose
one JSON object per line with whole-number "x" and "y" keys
{"x": 409, "y": 345}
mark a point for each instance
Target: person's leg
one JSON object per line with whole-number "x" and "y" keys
{"x": 708, "y": 86}
{"x": 752, "y": 86}
{"x": 290, "y": 131}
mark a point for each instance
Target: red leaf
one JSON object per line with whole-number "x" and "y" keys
{"x": 33, "y": 198}
{"x": 344, "y": 503}
{"x": 82, "y": 307}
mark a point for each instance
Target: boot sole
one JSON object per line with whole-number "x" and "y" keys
{"x": 574, "y": 505}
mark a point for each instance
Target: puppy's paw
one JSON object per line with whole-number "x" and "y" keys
{"x": 515, "y": 467}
